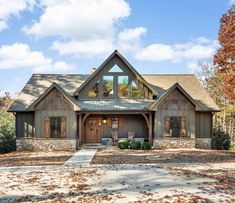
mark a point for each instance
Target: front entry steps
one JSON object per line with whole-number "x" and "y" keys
{"x": 93, "y": 146}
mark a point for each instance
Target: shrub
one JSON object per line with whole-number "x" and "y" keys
{"x": 135, "y": 144}
{"x": 7, "y": 138}
{"x": 146, "y": 146}
{"x": 123, "y": 144}
{"x": 220, "y": 140}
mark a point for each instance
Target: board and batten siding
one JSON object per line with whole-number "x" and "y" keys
{"x": 25, "y": 125}
{"x": 55, "y": 105}
{"x": 71, "y": 121}
{"x": 203, "y": 124}
{"x": 133, "y": 123}
{"x": 159, "y": 122}
{"x": 175, "y": 104}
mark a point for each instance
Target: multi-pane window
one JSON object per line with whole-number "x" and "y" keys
{"x": 114, "y": 123}
{"x": 123, "y": 88}
{"x": 108, "y": 86}
{"x": 94, "y": 91}
{"x": 55, "y": 127}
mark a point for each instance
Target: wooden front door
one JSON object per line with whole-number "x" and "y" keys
{"x": 93, "y": 130}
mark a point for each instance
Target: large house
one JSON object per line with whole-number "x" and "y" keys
{"x": 61, "y": 112}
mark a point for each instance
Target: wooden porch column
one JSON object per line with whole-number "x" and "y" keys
{"x": 150, "y": 129}
{"x": 80, "y": 129}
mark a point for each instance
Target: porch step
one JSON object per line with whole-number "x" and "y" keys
{"x": 93, "y": 146}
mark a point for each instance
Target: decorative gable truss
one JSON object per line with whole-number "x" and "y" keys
{"x": 54, "y": 98}
{"x": 176, "y": 98}
{"x": 115, "y": 78}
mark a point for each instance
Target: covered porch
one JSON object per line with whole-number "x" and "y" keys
{"x": 95, "y": 126}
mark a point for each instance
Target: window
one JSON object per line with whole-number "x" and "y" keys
{"x": 55, "y": 127}
{"x": 115, "y": 69}
{"x": 108, "y": 86}
{"x": 114, "y": 123}
{"x": 123, "y": 86}
{"x": 136, "y": 91}
{"x": 175, "y": 126}
{"x": 94, "y": 91}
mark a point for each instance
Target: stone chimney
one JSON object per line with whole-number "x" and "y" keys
{"x": 93, "y": 70}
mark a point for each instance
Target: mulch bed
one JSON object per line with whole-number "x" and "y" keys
{"x": 29, "y": 158}
{"x": 114, "y": 155}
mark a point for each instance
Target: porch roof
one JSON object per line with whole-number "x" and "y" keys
{"x": 115, "y": 104}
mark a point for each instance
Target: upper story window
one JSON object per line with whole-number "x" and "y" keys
{"x": 108, "y": 90}
{"x": 94, "y": 91}
{"x": 117, "y": 83}
{"x": 123, "y": 89}
{"x": 115, "y": 69}
{"x": 136, "y": 91}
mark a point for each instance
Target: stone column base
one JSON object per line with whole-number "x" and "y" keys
{"x": 163, "y": 143}
{"x": 42, "y": 144}
{"x": 203, "y": 143}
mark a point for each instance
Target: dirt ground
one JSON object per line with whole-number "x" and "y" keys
{"x": 169, "y": 176}
{"x": 113, "y": 155}
{"x": 29, "y": 158}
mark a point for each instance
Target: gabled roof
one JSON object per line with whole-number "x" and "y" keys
{"x": 169, "y": 91}
{"x": 116, "y": 53}
{"x": 189, "y": 82}
{"x": 49, "y": 89}
{"x": 39, "y": 83}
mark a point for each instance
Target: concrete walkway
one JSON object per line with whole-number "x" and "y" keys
{"x": 81, "y": 158}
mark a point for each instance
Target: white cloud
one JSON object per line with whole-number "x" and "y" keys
{"x": 9, "y": 8}
{"x": 231, "y": 2}
{"x": 20, "y": 56}
{"x": 78, "y": 22}
{"x": 156, "y": 52}
{"x": 196, "y": 49}
{"x": 129, "y": 39}
{"x": 87, "y": 48}
{"x": 193, "y": 66}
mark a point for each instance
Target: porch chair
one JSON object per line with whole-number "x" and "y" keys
{"x": 131, "y": 135}
{"x": 115, "y": 137}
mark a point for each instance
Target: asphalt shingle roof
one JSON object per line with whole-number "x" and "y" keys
{"x": 38, "y": 84}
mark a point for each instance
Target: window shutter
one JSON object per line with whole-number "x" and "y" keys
{"x": 182, "y": 126}
{"x": 63, "y": 127}
{"x": 121, "y": 122}
{"x": 167, "y": 124}
{"x": 109, "y": 123}
{"x": 46, "y": 127}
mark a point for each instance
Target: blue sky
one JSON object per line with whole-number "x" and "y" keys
{"x": 72, "y": 36}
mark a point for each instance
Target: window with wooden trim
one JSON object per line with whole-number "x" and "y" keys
{"x": 94, "y": 91}
{"x": 55, "y": 127}
{"x": 115, "y": 123}
{"x": 175, "y": 126}
{"x": 108, "y": 90}
{"x": 123, "y": 89}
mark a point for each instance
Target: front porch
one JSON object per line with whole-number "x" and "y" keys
{"x": 93, "y": 127}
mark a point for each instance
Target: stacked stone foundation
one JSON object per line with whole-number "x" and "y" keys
{"x": 41, "y": 144}
{"x": 167, "y": 143}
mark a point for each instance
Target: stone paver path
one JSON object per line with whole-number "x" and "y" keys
{"x": 82, "y": 157}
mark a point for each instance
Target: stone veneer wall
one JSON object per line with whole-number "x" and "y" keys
{"x": 40, "y": 144}
{"x": 162, "y": 143}
{"x": 203, "y": 143}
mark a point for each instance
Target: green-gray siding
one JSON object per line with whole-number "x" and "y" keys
{"x": 25, "y": 125}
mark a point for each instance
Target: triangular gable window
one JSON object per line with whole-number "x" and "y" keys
{"x": 115, "y": 69}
